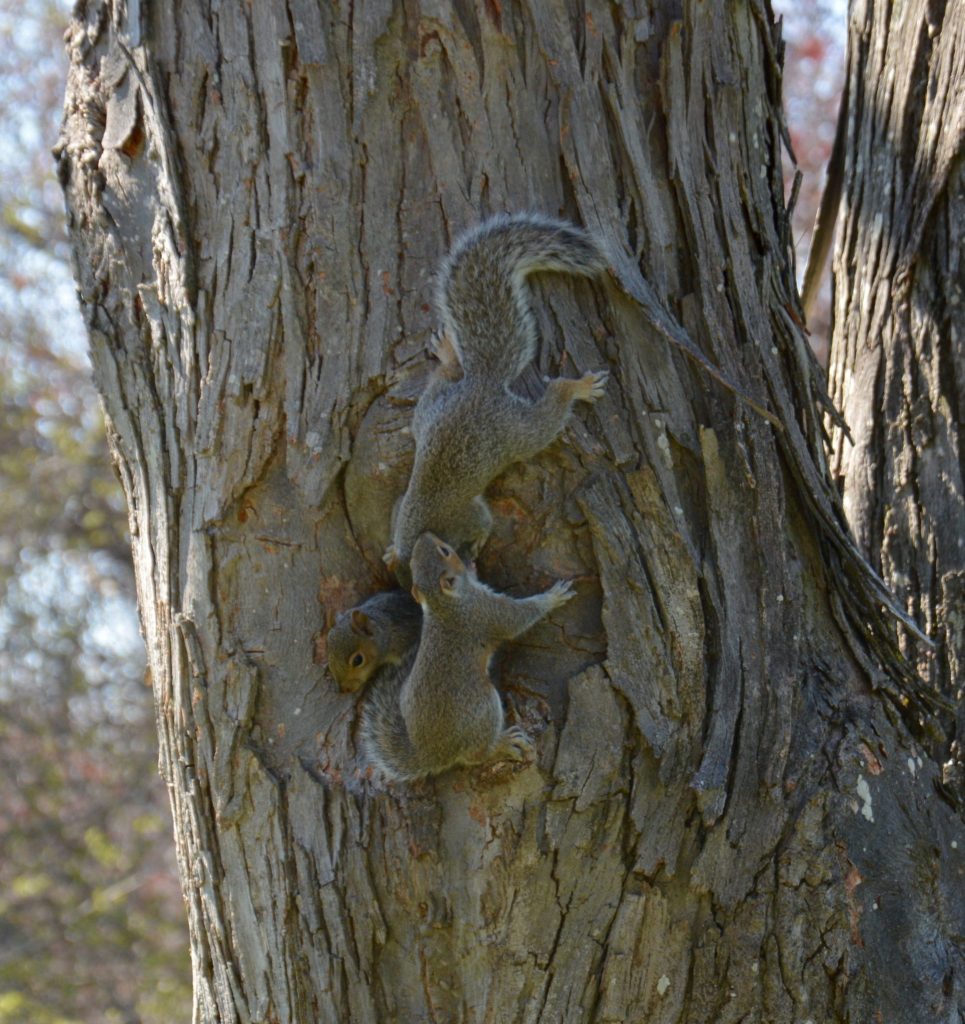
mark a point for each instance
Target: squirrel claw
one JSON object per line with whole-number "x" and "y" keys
{"x": 592, "y": 385}
{"x": 561, "y": 592}
{"x": 515, "y": 745}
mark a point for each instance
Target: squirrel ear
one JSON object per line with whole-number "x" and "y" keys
{"x": 447, "y": 583}
{"x": 361, "y": 623}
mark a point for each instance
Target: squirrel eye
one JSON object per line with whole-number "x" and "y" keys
{"x": 357, "y": 660}
{"x": 445, "y": 550}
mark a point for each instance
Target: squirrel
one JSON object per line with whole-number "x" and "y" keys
{"x": 378, "y": 632}
{"x": 448, "y": 712}
{"x": 468, "y": 425}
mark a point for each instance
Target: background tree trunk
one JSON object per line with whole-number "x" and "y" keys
{"x": 729, "y": 819}
{"x": 897, "y": 363}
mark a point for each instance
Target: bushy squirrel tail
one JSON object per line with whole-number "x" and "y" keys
{"x": 384, "y": 739}
{"x": 482, "y": 297}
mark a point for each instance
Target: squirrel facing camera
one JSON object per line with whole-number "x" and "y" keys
{"x": 448, "y": 712}
{"x": 438, "y": 572}
{"x": 468, "y": 425}
{"x": 378, "y": 632}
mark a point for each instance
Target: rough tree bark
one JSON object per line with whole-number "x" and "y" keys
{"x": 729, "y": 818}
{"x": 897, "y": 366}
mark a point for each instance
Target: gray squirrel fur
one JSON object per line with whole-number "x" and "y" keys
{"x": 468, "y": 425}
{"x": 482, "y": 296}
{"x": 446, "y": 712}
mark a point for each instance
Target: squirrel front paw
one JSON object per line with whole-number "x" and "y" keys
{"x": 558, "y": 594}
{"x": 591, "y": 386}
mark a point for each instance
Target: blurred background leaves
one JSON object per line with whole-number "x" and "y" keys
{"x": 91, "y": 917}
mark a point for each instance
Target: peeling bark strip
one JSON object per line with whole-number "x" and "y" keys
{"x": 898, "y": 353}
{"x": 723, "y": 811}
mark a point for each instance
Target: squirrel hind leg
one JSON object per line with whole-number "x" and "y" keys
{"x": 512, "y": 744}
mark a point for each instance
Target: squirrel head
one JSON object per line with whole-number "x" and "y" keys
{"x": 438, "y": 573}
{"x": 353, "y": 654}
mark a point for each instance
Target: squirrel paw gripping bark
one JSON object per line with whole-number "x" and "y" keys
{"x": 558, "y": 594}
{"x": 514, "y": 745}
{"x": 591, "y": 386}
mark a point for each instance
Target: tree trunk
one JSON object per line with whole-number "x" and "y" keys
{"x": 728, "y": 819}
{"x": 898, "y": 354}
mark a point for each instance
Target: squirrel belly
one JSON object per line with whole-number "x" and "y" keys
{"x": 469, "y": 429}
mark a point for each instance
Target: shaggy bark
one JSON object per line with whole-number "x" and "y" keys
{"x": 898, "y": 354}
{"x": 728, "y": 819}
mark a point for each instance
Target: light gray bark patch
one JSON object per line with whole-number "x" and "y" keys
{"x": 309, "y": 31}
{"x": 590, "y": 762}
{"x": 637, "y": 659}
